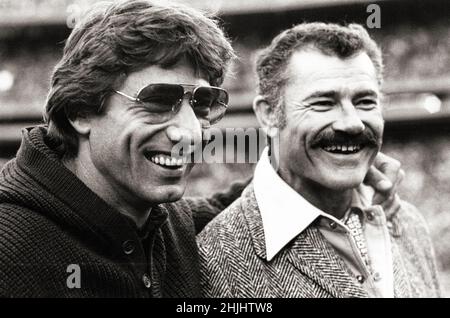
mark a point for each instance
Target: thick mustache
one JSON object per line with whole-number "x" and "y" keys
{"x": 366, "y": 137}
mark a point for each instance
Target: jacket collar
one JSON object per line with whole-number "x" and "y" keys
{"x": 284, "y": 212}
{"x": 309, "y": 252}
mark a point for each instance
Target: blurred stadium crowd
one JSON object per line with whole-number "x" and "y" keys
{"x": 415, "y": 37}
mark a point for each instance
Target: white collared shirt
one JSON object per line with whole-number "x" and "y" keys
{"x": 285, "y": 214}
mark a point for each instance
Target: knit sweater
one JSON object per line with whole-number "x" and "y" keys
{"x": 52, "y": 227}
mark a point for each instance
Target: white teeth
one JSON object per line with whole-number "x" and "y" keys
{"x": 165, "y": 160}
{"x": 343, "y": 148}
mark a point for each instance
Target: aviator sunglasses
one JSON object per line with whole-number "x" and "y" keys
{"x": 164, "y": 101}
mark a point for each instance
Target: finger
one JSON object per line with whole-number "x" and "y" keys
{"x": 393, "y": 190}
{"x": 401, "y": 176}
{"x": 390, "y": 167}
{"x": 380, "y": 199}
{"x": 389, "y": 205}
{"x": 377, "y": 180}
{"x": 383, "y": 198}
{"x": 389, "y": 199}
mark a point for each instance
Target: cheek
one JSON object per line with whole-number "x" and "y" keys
{"x": 293, "y": 144}
{"x": 374, "y": 120}
{"x": 306, "y": 126}
{"x": 108, "y": 138}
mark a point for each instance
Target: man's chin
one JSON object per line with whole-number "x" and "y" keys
{"x": 165, "y": 194}
{"x": 343, "y": 175}
{"x": 342, "y": 186}
{"x": 343, "y": 181}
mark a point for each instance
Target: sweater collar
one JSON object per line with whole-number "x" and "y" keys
{"x": 82, "y": 207}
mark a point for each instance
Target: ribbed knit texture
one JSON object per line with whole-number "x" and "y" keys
{"x": 49, "y": 219}
{"x": 233, "y": 258}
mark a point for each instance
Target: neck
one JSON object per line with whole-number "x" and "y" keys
{"x": 121, "y": 201}
{"x": 333, "y": 202}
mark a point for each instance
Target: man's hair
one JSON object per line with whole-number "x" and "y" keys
{"x": 330, "y": 39}
{"x": 115, "y": 39}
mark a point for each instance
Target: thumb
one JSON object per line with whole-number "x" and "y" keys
{"x": 377, "y": 180}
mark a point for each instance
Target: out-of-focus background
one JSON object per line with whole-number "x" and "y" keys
{"x": 414, "y": 35}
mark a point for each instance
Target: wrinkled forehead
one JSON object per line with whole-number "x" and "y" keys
{"x": 311, "y": 69}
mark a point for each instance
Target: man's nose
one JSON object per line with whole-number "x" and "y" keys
{"x": 184, "y": 126}
{"x": 349, "y": 120}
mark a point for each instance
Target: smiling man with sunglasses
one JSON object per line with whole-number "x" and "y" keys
{"x": 91, "y": 206}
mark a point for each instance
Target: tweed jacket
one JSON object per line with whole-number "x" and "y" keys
{"x": 233, "y": 258}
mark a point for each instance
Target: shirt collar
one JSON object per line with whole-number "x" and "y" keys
{"x": 284, "y": 212}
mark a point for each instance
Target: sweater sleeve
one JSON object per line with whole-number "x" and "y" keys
{"x": 418, "y": 232}
{"x": 24, "y": 254}
{"x": 205, "y": 209}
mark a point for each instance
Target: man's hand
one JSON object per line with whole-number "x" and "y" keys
{"x": 384, "y": 176}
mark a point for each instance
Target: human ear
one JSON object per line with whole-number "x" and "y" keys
{"x": 81, "y": 121}
{"x": 266, "y": 115}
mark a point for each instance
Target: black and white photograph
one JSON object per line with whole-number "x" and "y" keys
{"x": 226, "y": 149}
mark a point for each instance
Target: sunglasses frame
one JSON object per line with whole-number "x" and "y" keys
{"x": 176, "y": 107}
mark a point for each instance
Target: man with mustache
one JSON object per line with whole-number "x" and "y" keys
{"x": 91, "y": 206}
{"x": 304, "y": 227}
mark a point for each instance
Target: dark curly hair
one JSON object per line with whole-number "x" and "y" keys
{"x": 330, "y": 39}
{"x": 114, "y": 39}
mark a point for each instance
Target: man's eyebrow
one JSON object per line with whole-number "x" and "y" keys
{"x": 329, "y": 94}
{"x": 366, "y": 93}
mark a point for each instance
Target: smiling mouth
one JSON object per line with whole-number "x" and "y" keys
{"x": 165, "y": 161}
{"x": 341, "y": 149}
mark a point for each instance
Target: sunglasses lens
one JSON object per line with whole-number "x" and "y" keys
{"x": 160, "y": 98}
{"x": 210, "y": 103}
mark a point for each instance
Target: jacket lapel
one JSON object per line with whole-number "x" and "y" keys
{"x": 315, "y": 258}
{"x": 254, "y": 221}
{"x": 309, "y": 253}
{"x": 402, "y": 287}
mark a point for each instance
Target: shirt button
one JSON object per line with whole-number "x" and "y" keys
{"x": 389, "y": 225}
{"x": 370, "y": 216}
{"x": 376, "y": 276}
{"x": 146, "y": 280}
{"x": 360, "y": 279}
{"x": 128, "y": 247}
{"x": 333, "y": 225}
